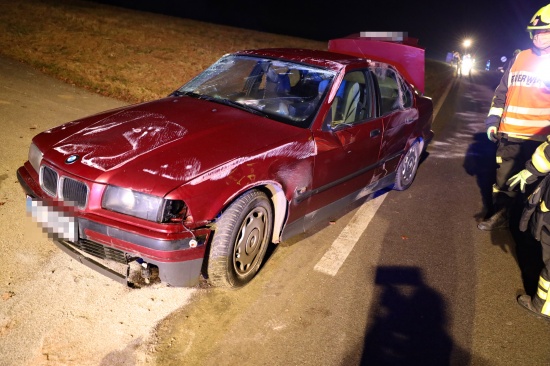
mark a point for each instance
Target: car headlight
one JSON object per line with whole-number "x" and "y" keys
{"x": 35, "y": 157}
{"x": 144, "y": 206}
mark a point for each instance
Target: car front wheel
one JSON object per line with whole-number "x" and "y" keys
{"x": 407, "y": 168}
{"x": 240, "y": 241}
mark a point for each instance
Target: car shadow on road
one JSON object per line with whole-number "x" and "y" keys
{"x": 408, "y": 323}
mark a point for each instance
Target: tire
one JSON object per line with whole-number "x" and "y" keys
{"x": 406, "y": 171}
{"x": 240, "y": 241}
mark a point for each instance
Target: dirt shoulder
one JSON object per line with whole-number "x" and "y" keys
{"x": 54, "y": 310}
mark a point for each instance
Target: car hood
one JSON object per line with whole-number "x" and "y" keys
{"x": 155, "y": 147}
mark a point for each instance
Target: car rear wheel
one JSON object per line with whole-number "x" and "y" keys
{"x": 240, "y": 241}
{"x": 407, "y": 168}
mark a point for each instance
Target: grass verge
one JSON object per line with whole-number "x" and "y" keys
{"x": 131, "y": 55}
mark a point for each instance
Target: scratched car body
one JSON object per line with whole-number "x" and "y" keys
{"x": 259, "y": 147}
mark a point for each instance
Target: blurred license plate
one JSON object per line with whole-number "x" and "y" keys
{"x": 53, "y": 221}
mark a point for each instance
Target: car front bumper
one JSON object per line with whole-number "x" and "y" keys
{"x": 110, "y": 250}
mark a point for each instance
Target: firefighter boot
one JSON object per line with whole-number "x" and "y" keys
{"x": 497, "y": 221}
{"x": 539, "y": 304}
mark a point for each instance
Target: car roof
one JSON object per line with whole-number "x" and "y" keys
{"x": 325, "y": 59}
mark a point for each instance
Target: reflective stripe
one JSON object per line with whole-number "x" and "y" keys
{"x": 522, "y": 137}
{"x": 543, "y": 294}
{"x": 525, "y": 110}
{"x": 535, "y": 137}
{"x": 495, "y": 111}
{"x": 543, "y": 207}
{"x": 534, "y": 133}
{"x": 525, "y": 79}
{"x": 539, "y": 159}
{"x": 527, "y": 123}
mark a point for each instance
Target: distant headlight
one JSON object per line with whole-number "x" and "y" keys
{"x": 35, "y": 157}
{"x": 144, "y": 206}
{"x": 467, "y": 65}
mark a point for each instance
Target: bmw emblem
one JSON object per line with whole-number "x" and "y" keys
{"x": 71, "y": 159}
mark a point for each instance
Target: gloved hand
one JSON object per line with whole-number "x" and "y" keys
{"x": 492, "y": 134}
{"x": 524, "y": 177}
{"x": 492, "y": 122}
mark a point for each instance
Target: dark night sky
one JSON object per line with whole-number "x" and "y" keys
{"x": 496, "y": 27}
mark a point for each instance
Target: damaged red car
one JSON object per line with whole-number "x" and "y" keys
{"x": 259, "y": 147}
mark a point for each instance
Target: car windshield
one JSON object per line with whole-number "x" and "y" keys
{"x": 285, "y": 91}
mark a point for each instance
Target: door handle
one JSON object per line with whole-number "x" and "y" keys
{"x": 375, "y": 133}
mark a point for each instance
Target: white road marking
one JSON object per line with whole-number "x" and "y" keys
{"x": 335, "y": 257}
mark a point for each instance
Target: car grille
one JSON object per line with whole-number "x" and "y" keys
{"x": 100, "y": 251}
{"x": 72, "y": 191}
{"x": 49, "y": 180}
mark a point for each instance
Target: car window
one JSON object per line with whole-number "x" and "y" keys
{"x": 406, "y": 94}
{"x": 282, "y": 90}
{"x": 394, "y": 92}
{"x": 354, "y": 100}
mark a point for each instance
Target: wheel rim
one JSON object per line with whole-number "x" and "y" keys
{"x": 250, "y": 240}
{"x": 409, "y": 166}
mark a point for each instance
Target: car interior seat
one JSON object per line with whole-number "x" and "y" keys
{"x": 351, "y": 100}
{"x": 283, "y": 84}
{"x": 293, "y": 77}
{"x": 389, "y": 94}
{"x": 276, "y": 85}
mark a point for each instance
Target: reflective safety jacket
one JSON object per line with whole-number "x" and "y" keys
{"x": 522, "y": 100}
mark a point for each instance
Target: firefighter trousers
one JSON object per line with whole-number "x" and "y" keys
{"x": 511, "y": 156}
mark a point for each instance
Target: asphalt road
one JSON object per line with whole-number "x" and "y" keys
{"x": 421, "y": 285}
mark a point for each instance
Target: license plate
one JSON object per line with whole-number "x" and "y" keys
{"x": 52, "y": 220}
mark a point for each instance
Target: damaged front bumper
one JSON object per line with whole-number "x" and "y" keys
{"x": 114, "y": 251}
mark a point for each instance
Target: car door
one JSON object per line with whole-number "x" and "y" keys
{"x": 347, "y": 146}
{"x": 398, "y": 116}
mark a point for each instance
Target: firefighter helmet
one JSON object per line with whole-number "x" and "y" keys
{"x": 541, "y": 20}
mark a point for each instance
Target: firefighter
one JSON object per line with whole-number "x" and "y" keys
{"x": 516, "y": 120}
{"x": 536, "y": 215}
{"x": 457, "y": 62}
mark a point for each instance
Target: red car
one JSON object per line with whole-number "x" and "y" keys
{"x": 259, "y": 147}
